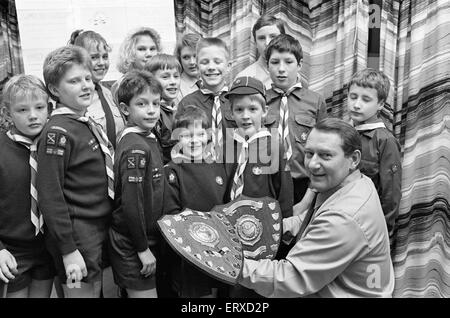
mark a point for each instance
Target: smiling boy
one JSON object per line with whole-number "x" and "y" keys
{"x": 213, "y": 65}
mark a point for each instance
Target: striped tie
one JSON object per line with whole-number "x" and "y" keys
{"x": 36, "y": 216}
{"x": 238, "y": 179}
{"x": 283, "y": 127}
{"x": 102, "y": 138}
{"x": 106, "y": 147}
{"x": 216, "y": 127}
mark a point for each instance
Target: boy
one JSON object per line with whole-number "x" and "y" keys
{"x": 139, "y": 187}
{"x": 196, "y": 184}
{"x": 213, "y": 65}
{"x": 75, "y": 178}
{"x": 25, "y": 265}
{"x": 381, "y": 158}
{"x": 166, "y": 70}
{"x": 293, "y": 109}
{"x": 264, "y": 30}
{"x": 257, "y": 165}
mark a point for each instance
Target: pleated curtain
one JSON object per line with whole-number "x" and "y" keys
{"x": 415, "y": 54}
{"x": 11, "y": 62}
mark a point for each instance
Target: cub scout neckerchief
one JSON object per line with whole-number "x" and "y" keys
{"x": 102, "y": 139}
{"x": 136, "y": 130}
{"x": 216, "y": 127}
{"x": 238, "y": 179}
{"x": 283, "y": 126}
{"x": 110, "y": 125}
{"x": 36, "y": 216}
{"x": 370, "y": 126}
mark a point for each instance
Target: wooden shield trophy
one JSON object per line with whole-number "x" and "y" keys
{"x": 217, "y": 241}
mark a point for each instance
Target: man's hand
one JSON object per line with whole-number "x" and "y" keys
{"x": 8, "y": 266}
{"x": 148, "y": 261}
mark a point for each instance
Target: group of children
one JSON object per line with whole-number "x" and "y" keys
{"x": 83, "y": 189}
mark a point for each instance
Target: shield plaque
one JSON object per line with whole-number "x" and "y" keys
{"x": 207, "y": 240}
{"x": 217, "y": 241}
{"x": 257, "y": 223}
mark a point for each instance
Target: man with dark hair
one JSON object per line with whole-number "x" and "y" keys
{"x": 342, "y": 247}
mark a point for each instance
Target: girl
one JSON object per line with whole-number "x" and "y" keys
{"x": 136, "y": 49}
{"x": 185, "y": 52}
{"x": 102, "y": 109}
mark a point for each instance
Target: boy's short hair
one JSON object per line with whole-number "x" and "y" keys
{"x": 87, "y": 39}
{"x": 162, "y": 61}
{"x": 188, "y": 40}
{"x": 188, "y": 115}
{"x": 23, "y": 85}
{"x": 371, "y": 78}
{"x": 207, "y": 42}
{"x": 247, "y": 86}
{"x": 284, "y": 43}
{"x": 266, "y": 20}
{"x": 60, "y": 60}
{"x": 127, "y": 50}
{"x": 135, "y": 82}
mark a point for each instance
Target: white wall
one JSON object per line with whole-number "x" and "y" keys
{"x": 45, "y": 25}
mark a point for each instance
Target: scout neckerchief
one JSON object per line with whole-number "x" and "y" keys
{"x": 369, "y": 126}
{"x": 283, "y": 127}
{"x": 136, "y": 130}
{"x": 216, "y": 127}
{"x": 238, "y": 179}
{"x": 102, "y": 139}
{"x": 36, "y": 216}
{"x": 110, "y": 125}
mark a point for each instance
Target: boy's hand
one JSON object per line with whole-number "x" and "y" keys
{"x": 8, "y": 266}
{"x": 148, "y": 261}
{"x": 75, "y": 266}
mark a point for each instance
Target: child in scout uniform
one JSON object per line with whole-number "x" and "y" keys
{"x": 293, "y": 109}
{"x": 102, "y": 109}
{"x": 197, "y": 183}
{"x": 26, "y": 268}
{"x": 75, "y": 181}
{"x": 264, "y": 30}
{"x": 258, "y": 165}
{"x": 213, "y": 65}
{"x": 166, "y": 70}
{"x": 140, "y": 185}
{"x": 381, "y": 158}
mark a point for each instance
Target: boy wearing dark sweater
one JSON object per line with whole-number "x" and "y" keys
{"x": 140, "y": 186}
{"x": 75, "y": 177}
{"x": 196, "y": 183}
{"x": 25, "y": 265}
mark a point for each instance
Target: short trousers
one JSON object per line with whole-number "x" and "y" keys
{"x": 32, "y": 264}
{"x": 90, "y": 237}
{"x": 126, "y": 264}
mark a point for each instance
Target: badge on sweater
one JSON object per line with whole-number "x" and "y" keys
{"x": 131, "y": 163}
{"x": 62, "y": 141}
{"x": 142, "y": 163}
{"x": 172, "y": 177}
{"x": 51, "y": 138}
